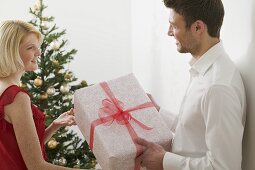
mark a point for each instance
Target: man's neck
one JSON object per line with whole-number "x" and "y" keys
{"x": 205, "y": 46}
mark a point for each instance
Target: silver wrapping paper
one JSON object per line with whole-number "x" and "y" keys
{"x": 113, "y": 146}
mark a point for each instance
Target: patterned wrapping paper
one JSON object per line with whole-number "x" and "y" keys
{"x": 113, "y": 146}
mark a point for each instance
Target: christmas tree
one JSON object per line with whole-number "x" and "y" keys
{"x": 52, "y": 87}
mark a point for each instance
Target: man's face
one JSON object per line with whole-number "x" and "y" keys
{"x": 185, "y": 41}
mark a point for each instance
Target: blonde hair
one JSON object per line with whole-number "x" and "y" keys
{"x": 12, "y": 32}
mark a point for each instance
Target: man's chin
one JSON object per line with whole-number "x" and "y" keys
{"x": 180, "y": 50}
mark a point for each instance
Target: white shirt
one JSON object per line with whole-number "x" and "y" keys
{"x": 209, "y": 128}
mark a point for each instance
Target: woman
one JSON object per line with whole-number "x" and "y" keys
{"x": 22, "y": 129}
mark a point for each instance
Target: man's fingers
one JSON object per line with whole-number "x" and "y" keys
{"x": 139, "y": 160}
{"x": 143, "y": 142}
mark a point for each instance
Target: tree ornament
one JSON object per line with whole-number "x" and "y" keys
{"x": 61, "y": 71}
{"x": 37, "y": 96}
{"x": 77, "y": 164}
{"x": 36, "y": 8}
{"x": 55, "y": 45}
{"x": 84, "y": 83}
{"x": 55, "y": 63}
{"x": 22, "y": 85}
{"x": 62, "y": 161}
{"x": 45, "y": 25}
{"x": 64, "y": 88}
{"x": 68, "y": 76}
{"x": 86, "y": 157}
{"x": 69, "y": 96}
{"x": 51, "y": 91}
{"x": 38, "y": 82}
{"x": 93, "y": 162}
{"x": 45, "y": 18}
{"x": 44, "y": 96}
{"x": 52, "y": 144}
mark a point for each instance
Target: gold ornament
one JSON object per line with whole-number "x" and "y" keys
{"x": 52, "y": 144}
{"x": 51, "y": 91}
{"x": 55, "y": 62}
{"x": 44, "y": 96}
{"x": 93, "y": 162}
{"x": 45, "y": 18}
{"x": 62, "y": 161}
{"x": 38, "y": 82}
{"x": 68, "y": 76}
{"x": 68, "y": 96}
{"x": 84, "y": 83}
{"x": 65, "y": 88}
{"x": 22, "y": 85}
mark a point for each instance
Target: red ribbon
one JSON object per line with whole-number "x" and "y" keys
{"x": 113, "y": 110}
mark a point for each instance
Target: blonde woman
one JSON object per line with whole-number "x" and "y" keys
{"x": 22, "y": 129}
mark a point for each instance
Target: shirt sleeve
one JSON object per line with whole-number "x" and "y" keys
{"x": 222, "y": 112}
{"x": 169, "y": 118}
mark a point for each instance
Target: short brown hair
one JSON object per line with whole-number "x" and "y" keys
{"x": 211, "y": 12}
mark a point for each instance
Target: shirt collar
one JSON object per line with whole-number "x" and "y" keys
{"x": 201, "y": 65}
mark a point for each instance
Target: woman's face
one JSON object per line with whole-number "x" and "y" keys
{"x": 29, "y": 51}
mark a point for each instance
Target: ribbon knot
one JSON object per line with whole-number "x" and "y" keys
{"x": 110, "y": 112}
{"x": 113, "y": 109}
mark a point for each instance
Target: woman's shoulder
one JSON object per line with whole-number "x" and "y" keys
{"x": 12, "y": 92}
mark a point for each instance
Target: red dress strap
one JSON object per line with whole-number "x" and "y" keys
{"x": 8, "y": 97}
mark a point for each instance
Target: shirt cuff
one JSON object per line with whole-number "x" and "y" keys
{"x": 172, "y": 161}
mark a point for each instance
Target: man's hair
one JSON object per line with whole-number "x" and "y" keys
{"x": 12, "y": 32}
{"x": 211, "y": 12}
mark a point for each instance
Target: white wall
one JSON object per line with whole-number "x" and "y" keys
{"x": 157, "y": 64}
{"x": 99, "y": 30}
{"x": 246, "y": 65}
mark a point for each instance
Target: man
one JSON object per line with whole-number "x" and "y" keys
{"x": 209, "y": 128}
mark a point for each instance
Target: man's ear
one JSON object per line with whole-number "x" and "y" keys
{"x": 199, "y": 26}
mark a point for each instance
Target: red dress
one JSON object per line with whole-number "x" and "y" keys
{"x": 10, "y": 156}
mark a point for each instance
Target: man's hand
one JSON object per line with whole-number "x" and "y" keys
{"x": 153, "y": 101}
{"x": 152, "y": 156}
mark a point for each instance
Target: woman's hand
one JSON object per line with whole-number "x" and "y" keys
{"x": 65, "y": 119}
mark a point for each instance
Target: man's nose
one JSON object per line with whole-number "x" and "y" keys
{"x": 170, "y": 31}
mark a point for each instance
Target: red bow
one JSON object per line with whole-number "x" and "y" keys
{"x": 113, "y": 110}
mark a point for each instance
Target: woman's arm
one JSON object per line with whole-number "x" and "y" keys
{"x": 19, "y": 113}
{"x": 65, "y": 119}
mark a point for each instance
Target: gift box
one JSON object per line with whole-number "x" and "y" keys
{"x": 111, "y": 115}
